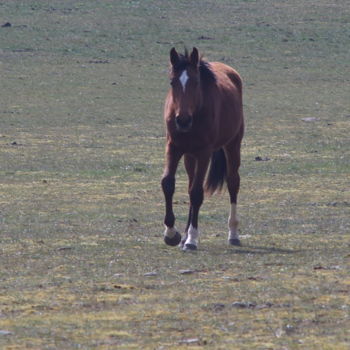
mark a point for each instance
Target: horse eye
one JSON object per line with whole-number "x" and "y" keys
{"x": 172, "y": 82}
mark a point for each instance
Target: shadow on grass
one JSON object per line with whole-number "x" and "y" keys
{"x": 260, "y": 250}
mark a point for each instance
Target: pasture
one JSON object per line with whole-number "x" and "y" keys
{"x": 83, "y": 264}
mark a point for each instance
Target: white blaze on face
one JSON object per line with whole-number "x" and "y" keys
{"x": 183, "y": 79}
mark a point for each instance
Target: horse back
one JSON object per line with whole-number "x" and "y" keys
{"x": 227, "y": 76}
{"x": 230, "y": 118}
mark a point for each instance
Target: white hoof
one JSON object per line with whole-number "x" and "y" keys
{"x": 192, "y": 239}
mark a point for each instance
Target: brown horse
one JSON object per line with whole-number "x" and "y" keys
{"x": 204, "y": 121}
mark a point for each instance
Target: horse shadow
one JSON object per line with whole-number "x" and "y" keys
{"x": 250, "y": 249}
{"x": 262, "y": 250}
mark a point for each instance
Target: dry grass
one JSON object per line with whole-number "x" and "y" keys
{"x": 83, "y": 263}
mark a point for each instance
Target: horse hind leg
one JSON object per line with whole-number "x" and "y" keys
{"x": 233, "y": 237}
{"x": 232, "y": 153}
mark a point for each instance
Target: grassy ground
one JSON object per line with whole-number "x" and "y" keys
{"x": 82, "y": 259}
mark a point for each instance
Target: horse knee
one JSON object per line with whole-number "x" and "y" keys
{"x": 168, "y": 184}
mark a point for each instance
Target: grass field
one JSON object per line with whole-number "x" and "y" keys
{"x": 82, "y": 259}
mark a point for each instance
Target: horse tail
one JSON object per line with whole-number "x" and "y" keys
{"x": 217, "y": 172}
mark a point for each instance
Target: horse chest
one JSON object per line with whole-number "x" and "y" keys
{"x": 191, "y": 142}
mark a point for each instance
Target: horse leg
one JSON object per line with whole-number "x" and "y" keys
{"x": 196, "y": 193}
{"x": 233, "y": 160}
{"x": 190, "y": 166}
{"x": 171, "y": 235}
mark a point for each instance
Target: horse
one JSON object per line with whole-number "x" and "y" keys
{"x": 203, "y": 114}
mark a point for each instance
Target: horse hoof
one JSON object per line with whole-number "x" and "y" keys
{"x": 174, "y": 241}
{"x": 235, "y": 241}
{"x": 189, "y": 247}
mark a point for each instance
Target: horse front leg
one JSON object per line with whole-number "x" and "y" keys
{"x": 190, "y": 166}
{"x": 171, "y": 236}
{"x": 196, "y": 193}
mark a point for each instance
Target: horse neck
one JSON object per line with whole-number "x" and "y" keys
{"x": 205, "y": 100}
{"x": 200, "y": 98}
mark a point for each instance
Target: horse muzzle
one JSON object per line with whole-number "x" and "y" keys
{"x": 183, "y": 123}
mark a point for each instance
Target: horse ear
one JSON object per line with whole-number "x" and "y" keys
{"x": 194, "y": 59}
{"x": 174, "y": 57}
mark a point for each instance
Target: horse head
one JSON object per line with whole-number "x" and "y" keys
{"x": 185, "y": 87}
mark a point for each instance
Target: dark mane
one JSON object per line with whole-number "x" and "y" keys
{"x": 206, "y": 73}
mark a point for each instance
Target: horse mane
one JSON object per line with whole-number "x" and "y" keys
{"x": 206, "y": 73}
